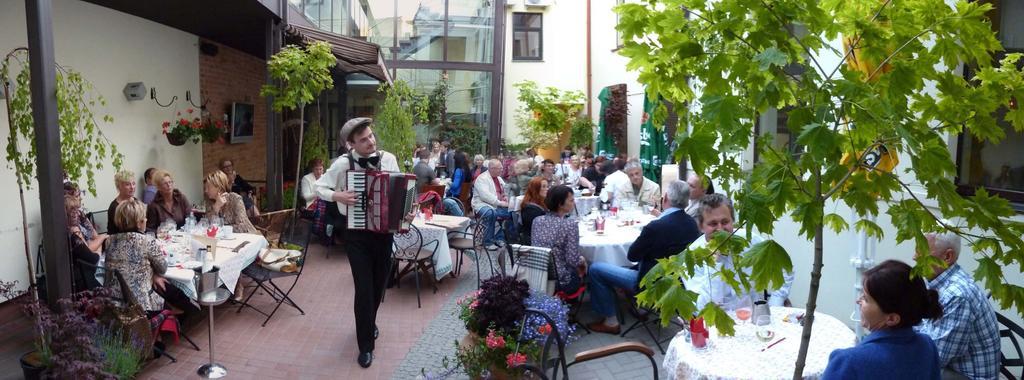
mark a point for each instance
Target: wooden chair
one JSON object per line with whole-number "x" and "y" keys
{"x": 466, "y": 198}
{"x": 551, "y": 363}
{"x": 439, "y": 189}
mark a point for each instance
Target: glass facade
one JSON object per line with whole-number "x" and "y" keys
{"x": 423, "y": 41}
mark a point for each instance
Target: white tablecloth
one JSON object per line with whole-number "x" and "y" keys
{"x": 740, "y": 356}
{"x": 613, "y": 246}
{"x": 585, "y": 203}
{"x": 442, "y": 258}
{"x": 230, "y": 263}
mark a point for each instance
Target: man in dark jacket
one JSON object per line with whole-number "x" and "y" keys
{"x": 666, "y": 236}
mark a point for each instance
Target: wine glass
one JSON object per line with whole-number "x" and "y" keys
{"x": 765, "y": 333}
{"x": 743, "y": 309}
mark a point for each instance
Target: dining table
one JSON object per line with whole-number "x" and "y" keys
{"x": 230, "y": 254}
{"x": 745, "y": 356}
{"x": 612, "y": 245}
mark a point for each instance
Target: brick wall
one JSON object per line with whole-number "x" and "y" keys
{"x": 234, "y": 76}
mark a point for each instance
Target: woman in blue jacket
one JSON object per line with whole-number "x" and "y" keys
{"x": 892, "y": 304}
{"x": 459, "y": 175}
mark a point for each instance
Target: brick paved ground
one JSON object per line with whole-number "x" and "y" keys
{"x": 321, "y": 344}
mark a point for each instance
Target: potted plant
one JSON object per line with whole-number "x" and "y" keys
{"x": 547, "y": 115}
{"x": 395, "y": 118}
{"x": 497, "y": 337}
{"x": 81, "y": 339}
{"x": 196, "y": 129}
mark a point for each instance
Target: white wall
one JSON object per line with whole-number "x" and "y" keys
{"x": 610, "y": 69}
{"x": 564, "y": 57}
{"x": 110, "y": 49}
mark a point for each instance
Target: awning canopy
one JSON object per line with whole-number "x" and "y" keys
{"x": 354, "y": 55}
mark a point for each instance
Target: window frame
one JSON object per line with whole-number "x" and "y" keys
{"x": 526, "y": 29}
{"x": 1015, "y": 197}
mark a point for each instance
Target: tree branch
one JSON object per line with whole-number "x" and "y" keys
{"x": 799, "y": 184}
{"x": 856, "y": 42}
{"x": 792, "y": 34}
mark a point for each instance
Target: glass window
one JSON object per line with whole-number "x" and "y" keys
{"x": 467, "y": 108}
{"x": 421, "y": 31}
{"x": 471, "y": 31}
{"x": 527, "y": 36}
{"x": 997, "y": 167}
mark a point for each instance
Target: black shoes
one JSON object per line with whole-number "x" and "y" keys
{"x": 376, "y": 332}
{"x": 365, "y": 359}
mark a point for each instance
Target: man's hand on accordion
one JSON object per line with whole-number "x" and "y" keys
{"x": 345, "y": 197}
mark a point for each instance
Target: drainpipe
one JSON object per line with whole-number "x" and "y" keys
{"x": 590, "y": 76}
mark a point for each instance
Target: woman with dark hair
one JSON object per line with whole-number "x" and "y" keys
{"x": 460, "y": 174}
{"x": 556, "y": 231}
{"x": 532, "y": 206}
{"x": 892, "y": 304}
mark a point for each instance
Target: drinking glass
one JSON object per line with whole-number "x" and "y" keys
{"x": 743, "y": 308}
{"x": 765, "y": 333}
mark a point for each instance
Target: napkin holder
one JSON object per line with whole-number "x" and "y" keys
{"x": 210, "y": 242}
{"x": 207, "y": 283}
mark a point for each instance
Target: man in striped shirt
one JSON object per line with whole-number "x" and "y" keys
{"x": 967, "y": 335}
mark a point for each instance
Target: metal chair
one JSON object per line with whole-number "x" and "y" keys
{"x": 410, "y": 249}
{"x": 645, "y": 317}
{"x": 1013, "y": 332}
{"x": 556, "y": 364}
{"x": 297, "y": 233}
{"x": 272, "y": 224}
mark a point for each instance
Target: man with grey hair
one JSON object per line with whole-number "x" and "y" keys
{"x": 639, "y": 189}
{"x": 668, "y": 235}
{"x": 716, "y": 213}
{"x": 967, "y": 336}
{"x": 491, "y": 203}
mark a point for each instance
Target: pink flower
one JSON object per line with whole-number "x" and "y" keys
{"x": 494, "y": 341}
{"x": 514, "y": 359}
{"x": 474, "y": 304}
{"x": 544, "y": 330}
{"x": 189, "y": 110}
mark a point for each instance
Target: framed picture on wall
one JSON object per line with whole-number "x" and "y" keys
{"x": 242, "y": 126}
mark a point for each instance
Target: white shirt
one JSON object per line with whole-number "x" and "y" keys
{"x": 569, "y": 176}
{"x": 613, "y": 182}
{"x": 711, "y": 288}
{"x": 309, "y": 189}
{"x": 335, "y": 179}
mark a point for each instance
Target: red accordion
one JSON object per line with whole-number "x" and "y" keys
{"x": 385, "y": 198}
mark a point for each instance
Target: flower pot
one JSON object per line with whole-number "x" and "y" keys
{"x": 554, "y": 152}
{"x": 176, "y": 140}
{"x": 31, "y": 366}
{"x": 497, "y": 373}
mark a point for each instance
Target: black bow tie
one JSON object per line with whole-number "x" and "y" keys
{"x": 367, "y": 162}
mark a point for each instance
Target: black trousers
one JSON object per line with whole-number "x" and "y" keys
{"x": 369, "y": 254}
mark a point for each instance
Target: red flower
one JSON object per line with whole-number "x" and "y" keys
{"x": 167, "y": 124}
{"x": 494, "y": 341}
{"x": 514, "y": 359}
{"x": 189, "y": 110}
{"x": 544, "y": 330}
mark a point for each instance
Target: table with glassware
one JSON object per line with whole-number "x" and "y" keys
{"x": 612, "y": 245}
{"x": 437, "y": 228}
{"x": 768, "y": 350}
{"x": 231, "y": 253}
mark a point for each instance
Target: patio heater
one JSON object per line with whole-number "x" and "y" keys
{"x": 862, "y": 259}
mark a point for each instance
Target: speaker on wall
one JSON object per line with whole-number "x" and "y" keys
{"x": 208, "y": 48}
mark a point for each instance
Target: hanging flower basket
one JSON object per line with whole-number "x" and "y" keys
{"x": 176, "y": 140}
{"x": 197, "y": 129}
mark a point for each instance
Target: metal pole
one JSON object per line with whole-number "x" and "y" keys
{"x": 48, "y": 165}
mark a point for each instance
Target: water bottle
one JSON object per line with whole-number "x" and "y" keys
{"x": 204, "y": 258}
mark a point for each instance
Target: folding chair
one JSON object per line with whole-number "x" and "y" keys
{"x": 297, "y": 233}
{"x": 272, "y": 224}
{"x": 409, "y": 248}
{"x": 556, "y": 364}
{"x": 645, "y": 317}
{"x": 1013, "y": 332}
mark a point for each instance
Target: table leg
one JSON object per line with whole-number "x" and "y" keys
{"x": 212, "y": 370}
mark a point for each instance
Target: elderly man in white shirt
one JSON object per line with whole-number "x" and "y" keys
{"x": 491, "y": 202}
{"x": 715, "y": 214}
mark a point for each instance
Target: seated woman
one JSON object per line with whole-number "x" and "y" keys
{"x": 81, "y": 219}
{"x": 460, "y": 175}
{"x": 125, "y": 182}
{"x": 892, "y": 304}
{"x": 139, "y": 260}
{"x": 556, "y": 231}
{"x": 478, "y": 167}
{"x": 532, "y": 206}
{"x": 308, "y": 190}
{"x": 221, "y": 202}
{"x": 82, "y": 249}
{"x": 169, "y": 203}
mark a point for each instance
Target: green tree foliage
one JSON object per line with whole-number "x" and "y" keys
{"x": 394, "y": 119}
{"x": 303, "y": 73}
{"x": 84, "y": 147}
{"x": 545, "y": 112}
{"x": 903, "y": 93}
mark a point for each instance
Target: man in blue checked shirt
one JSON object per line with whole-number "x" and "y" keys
{"x": 967, "y": 335}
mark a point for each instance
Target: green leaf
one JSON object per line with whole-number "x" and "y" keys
{"x": 768, "y": 262}
{"x": 872, "y": 228}
{"x": 819, "y": 139}
{"x": 770, "y": 57}
{"x": 714, "y": 316}
{"x": 836, "y": 223}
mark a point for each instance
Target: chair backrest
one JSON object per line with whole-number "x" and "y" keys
{"x": 407, "y": 245}
{"x": 553, "y": 361}
{"x": 531, "y": 264}
{"x": 439, "y": 189}
{"x": 99, "y": 220}
{"x": 273, "y": 224}
{"x": 298, "y": 232}
{"x": 1014, "y": 333}
{"x": 462, "y": 207}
